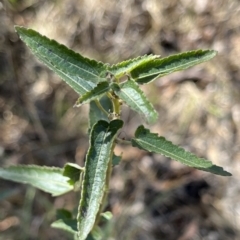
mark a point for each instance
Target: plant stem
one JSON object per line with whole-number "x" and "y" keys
{"x": 123, "y": 141}
{"x": 116, "y": 107}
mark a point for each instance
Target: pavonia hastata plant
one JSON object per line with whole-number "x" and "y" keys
{"x": 105, "y": 87}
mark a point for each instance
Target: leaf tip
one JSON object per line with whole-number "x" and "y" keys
{"x": 18, "y": 28}
{"x": 213, "y": 52}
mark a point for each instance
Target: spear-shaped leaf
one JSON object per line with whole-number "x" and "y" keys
{"x": 156, "y": 68}
{"x": 122, "y": 68}
{"x": 81, "y": 73}
{"x": 101, "y": 141}
{"x": 153, "y": 143}
{"x": 133, "y": 96}
{"x": 48, "y": 179}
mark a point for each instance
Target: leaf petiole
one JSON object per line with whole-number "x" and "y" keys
{"x": 101, "y": 107}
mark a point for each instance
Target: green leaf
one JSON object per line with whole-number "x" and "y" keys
{"x": 63, "y": 213}
{"x": 95, "y": 113}
{"x": 90, "y": 237}
{"x": 68, "y": 225}
{"x": 133, "y": 96}
{"x": 65, "y": 221}
{"x": 156, "y": 68}
{"x": 72, "y": 171}
{"x": 95, "y": 93}
{"x": 107, "y": 215}
{"x": 81, "y": 73}
{"x": 48, "y": 179}
{"x": 122, "y": 68}
{"x": 116, "y": 159}
{"x": 96, "y": 234}
{"x": 101, "y": 142}
{"x": 153, "y": 143}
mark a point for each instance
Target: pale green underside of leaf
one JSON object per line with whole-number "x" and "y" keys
{"x": 133, "y": 96}
{"x": 154, "y": 69}
{"x": 153, "y": 143}
{"x": 81, "y": 73}
{"x": 101, "y": 141}
{"x": 48, "y": 179}
{"x": 122, "y": 68}
{"x": 107, "y": 215}
{"x": 68, "y": 225}
{"x": 65, "y": 222}
{"x": 95, "y": 93}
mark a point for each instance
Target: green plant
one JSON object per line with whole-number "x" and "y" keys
{"x": 105, "y": 87}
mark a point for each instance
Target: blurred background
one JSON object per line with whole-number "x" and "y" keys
{"x": 151, "y": 196}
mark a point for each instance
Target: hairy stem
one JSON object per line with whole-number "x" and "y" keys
{"x": 116, "y": 106}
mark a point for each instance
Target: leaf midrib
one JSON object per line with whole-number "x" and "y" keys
{"x": 138, "y": 106}
{"x": 67, "y": 75}
{"x": 62, "y": 59}
{"x": 176, "y": 156}
{"x": 100, "y": 154}
{"x": 160, "y": 72}
{"x": 92, "y": 200}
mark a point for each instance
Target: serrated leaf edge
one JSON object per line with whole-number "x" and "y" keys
{"x": 99, "y": 64}
{"x": 165, "y": 59}
{"x": 141, "y": 128}
{"x": 152, "y": 117}
{"x": 115, "y": 68}
{"x": 110, "y": 125}
{"x": 35, "y": 166}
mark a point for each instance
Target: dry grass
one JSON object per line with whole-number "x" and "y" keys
{"x": 151, "y": 197}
